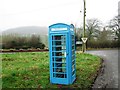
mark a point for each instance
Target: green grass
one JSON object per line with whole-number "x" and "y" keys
{"x": 31, "y": 70}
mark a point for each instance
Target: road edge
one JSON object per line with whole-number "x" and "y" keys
{"x": 99, "y": 73}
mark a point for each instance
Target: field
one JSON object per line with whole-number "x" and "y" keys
{"x": 31, "y": 70}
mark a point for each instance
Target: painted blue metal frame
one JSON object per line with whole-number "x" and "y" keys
{"x": 62, "y": 54}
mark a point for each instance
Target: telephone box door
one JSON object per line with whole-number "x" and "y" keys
{"x": 59, "y": 58}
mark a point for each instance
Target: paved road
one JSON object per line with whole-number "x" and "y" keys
{"x": 109, "y": 77}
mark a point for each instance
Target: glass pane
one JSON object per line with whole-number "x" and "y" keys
{"x": 63, "y": 60}
{"x": 53, "y": 54}
{"x": 57, "y": 37}
{"x": 57, "y": 42}
{"x": 73, "y": 72}
{"x": 63, "y": 64}
{"x": 73, "y": 57}
{"x": 73, "y": 52}
{"x": 52, "y": 59}
{"x": 52, "y": 37}
{"x": 73, "y": 62}
{"x": 58, "y": 69}
{"x": 60, "y": 65}
{"x": 58, "y": 53}
{"x": 72, "y": 47}
{"x": 59, "y": 60}
{"x": 53, "y": 65}
{"x": 59, "y": 75}
{"x": 64, "y": 70}
{"x": 73, "y": 67}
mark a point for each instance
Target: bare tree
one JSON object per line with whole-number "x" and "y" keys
{"x": 114, "y": 25}
{"x": 93, "y": 28}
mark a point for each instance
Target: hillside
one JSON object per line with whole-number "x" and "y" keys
{"x": 28, "y": 30}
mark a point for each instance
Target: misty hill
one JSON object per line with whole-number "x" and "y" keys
{"x": 28, "y": 30}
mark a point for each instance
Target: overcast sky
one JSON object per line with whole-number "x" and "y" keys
{"x": 17, "y": 13}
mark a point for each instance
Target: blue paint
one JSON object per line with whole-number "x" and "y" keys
{"x": 62, "y": 54}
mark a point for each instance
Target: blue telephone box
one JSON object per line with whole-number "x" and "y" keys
{"x": 62, "y": 54}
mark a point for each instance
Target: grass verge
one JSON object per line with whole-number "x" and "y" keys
{"x": 31, "y": 70}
